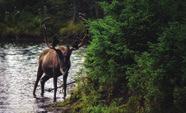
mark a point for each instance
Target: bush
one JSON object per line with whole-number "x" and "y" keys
{"x": 159, "y": 76}
{"x": 136, "y": 58}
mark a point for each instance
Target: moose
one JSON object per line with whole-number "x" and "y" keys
{"x": 54, "y": 62}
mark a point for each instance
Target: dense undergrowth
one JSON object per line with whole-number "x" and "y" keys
{"x": 135, "y": 62}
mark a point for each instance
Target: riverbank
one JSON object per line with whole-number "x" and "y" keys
{"x": 67, "y": 106}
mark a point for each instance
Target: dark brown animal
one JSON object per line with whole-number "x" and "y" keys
{"x": 53, "y": 62}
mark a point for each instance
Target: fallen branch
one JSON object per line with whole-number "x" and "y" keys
{"x": 51, "y": 89}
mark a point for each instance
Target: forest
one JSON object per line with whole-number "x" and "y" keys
{"x": 135, "y": 59}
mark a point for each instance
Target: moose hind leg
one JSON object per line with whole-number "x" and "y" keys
{"x": 43, "y": 80}
{"x": 39, "y": 75}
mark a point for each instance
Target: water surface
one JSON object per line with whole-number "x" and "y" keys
{"x": 18, "y": 68}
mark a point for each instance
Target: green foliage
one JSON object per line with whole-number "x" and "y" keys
{"x": 136, "y": 58}
{"x": 106, "y": 56}
{"x": 159, "y": 75}
{"x": 113, "y": 108}
{"x": 140, "y": 76}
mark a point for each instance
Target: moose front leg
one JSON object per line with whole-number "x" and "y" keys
{"x": 65, "y": 84}
{"x": 55, "y": 87}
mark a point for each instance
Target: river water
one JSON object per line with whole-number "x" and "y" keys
{"x": 18, "y": 68}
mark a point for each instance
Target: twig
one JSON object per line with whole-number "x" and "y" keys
{"x": 51, "y": 89}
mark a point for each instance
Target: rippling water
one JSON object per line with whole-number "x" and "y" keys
{"x": 18, "y": 68}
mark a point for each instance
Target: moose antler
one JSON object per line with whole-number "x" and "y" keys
{"x": 83, "y": 39}
{"x": 81, "y": 42}
{"x": 82, "y": 16}
{"x": 43, "y": 25}
{"x": 86, "y": 33}
{"x": 55, "y": 41}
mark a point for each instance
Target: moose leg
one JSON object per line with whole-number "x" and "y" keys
{"x": 43, "y": 80}
{"x": 39, "y": 75}
{"x": 65, "y": 84}
{"x": 55, "y": 87}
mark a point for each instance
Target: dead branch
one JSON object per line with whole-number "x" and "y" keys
{"x": 51, "y": 89}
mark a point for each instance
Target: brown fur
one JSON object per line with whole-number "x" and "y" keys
{"x": 53, "y": 62}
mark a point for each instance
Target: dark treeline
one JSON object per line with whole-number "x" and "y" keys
{"x": 22, "y": 18}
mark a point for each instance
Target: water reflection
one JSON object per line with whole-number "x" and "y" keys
{"x": 18, "y": 66}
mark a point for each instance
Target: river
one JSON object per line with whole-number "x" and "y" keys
{"x": 18, "y": 68}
